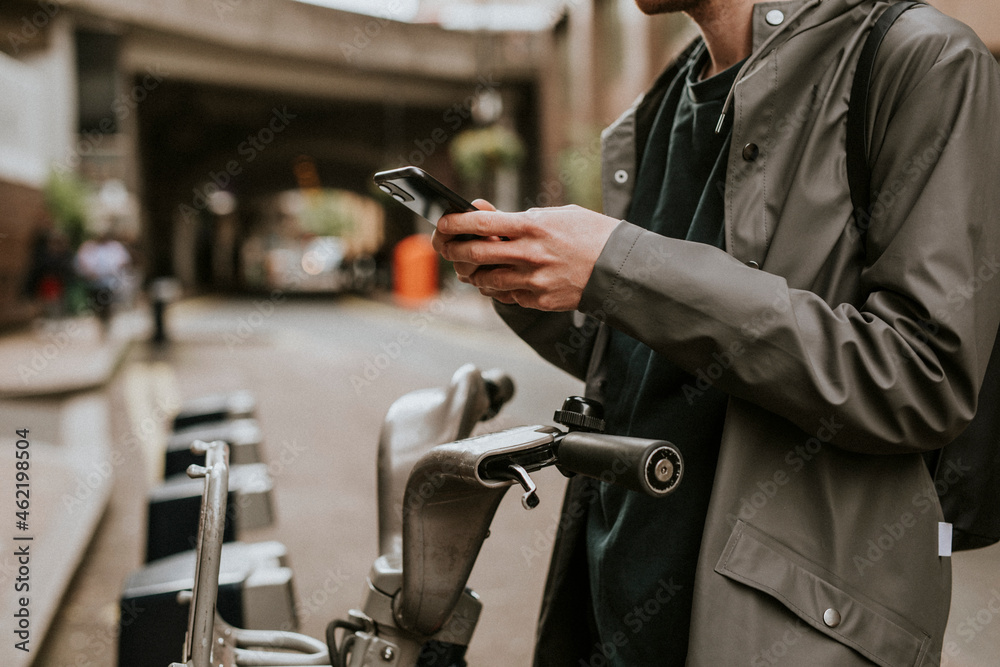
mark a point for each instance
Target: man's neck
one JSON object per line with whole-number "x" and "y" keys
{"x": 726, "y": 27}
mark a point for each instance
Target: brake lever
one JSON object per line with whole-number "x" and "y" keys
{"x": 515, "y": 466}
{"x": 529, "y": 499}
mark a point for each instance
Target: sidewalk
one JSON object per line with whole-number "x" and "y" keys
{"x": 51, "y": 398}
{"x": 62, "y": 356}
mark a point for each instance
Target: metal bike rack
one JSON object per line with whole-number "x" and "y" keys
{"x": 174, "y": 507}
{"x": 210, "y": 641}
{"x": 200, "y": 638}
{"x": 256, "y": 591}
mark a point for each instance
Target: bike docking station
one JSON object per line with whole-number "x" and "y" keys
{"x": 227, "y": 417}
{"x": 174, "y": 506}
{"x": 438, "y": 490}
{"x": 214, "y": 409}
{"x": 244, "y": 437}
{"x": 254, "y": 583}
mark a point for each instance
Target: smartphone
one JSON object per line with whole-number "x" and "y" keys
{"x": 420, "y": 192}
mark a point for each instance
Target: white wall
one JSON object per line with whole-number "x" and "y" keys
{"x": 21, "y": 160}
{"x": 37, "y": 109}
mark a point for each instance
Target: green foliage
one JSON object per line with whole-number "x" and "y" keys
{"x": 580, "y": 172}
{"x": 66, "y": 198}
{"x": 329, "y": 213}
{"x": 477, "y": 152}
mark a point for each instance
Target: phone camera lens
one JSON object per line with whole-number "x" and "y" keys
{"x": 385, "y": 188}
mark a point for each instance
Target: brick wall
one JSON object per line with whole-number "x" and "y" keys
{"x": 22, "y": 216}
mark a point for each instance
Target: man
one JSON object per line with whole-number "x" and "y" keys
{"x": 801, "y": 359}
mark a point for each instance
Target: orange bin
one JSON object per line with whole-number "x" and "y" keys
{"x": 414, "y": 270}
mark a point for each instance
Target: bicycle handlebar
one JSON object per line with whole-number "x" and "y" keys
{"x": 454, "y": 491}
{"x": 448, "y": 504}
{"x": 653, "y": 467}
{"x": 499, "y": 389}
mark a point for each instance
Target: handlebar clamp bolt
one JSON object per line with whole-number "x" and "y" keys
{"x": 581, "y": 414}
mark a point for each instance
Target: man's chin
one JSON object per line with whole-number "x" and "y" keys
{"x": 652, "y": 7}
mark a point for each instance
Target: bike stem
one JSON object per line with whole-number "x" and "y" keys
{"x": 381, "y": 640}
{"x": 419, "y": 595}
{"x": 447, "y": 513}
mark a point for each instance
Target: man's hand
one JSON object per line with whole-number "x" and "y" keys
{"x": 541, "y": 258}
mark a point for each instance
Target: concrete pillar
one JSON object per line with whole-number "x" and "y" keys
{"x": 581, "y": 38}
{"x": 552, "y": 123}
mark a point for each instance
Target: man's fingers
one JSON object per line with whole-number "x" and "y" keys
{"x": 483, "y": 251}
{"x": 512, "y": 298}
{"x": 483, "y": 205}
{"x": 481, "y": 223}
{"x": 454, "y": 224}
{"x": 464, "y": 269}
{"x": 502, "y": 297}
{"x": 501, "y": 278}
{"x": 439, "y": 239}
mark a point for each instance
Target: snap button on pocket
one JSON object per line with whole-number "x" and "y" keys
{"x": 831, "y": 617}
{"x": 750, "y": 152}
{"x": 621, "y": 176}
{"x": 753, "y": 265}
{"x": 775, "y": 17}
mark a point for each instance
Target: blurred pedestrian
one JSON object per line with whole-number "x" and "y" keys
{"x": 102, "y": 263}
{"x": 51, "y": 272}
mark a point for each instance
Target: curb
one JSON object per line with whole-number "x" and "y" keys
{"x": 65, "y": 356}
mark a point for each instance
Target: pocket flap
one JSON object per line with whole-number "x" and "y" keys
{"x": 761, "y": 562}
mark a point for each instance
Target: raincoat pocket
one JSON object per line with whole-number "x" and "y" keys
{"x": 820, "y": 599}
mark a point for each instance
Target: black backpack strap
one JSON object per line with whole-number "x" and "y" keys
{"x": 858, "y": 173}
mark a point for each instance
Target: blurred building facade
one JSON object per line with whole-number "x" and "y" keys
{"x": 35, "y": 130}
{"x": 175, "y": 100}
{"x": 180, "y": 99}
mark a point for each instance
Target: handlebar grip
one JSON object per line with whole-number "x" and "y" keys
{"x": 653, "y": 467}
{"x": 499, "y": 388}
